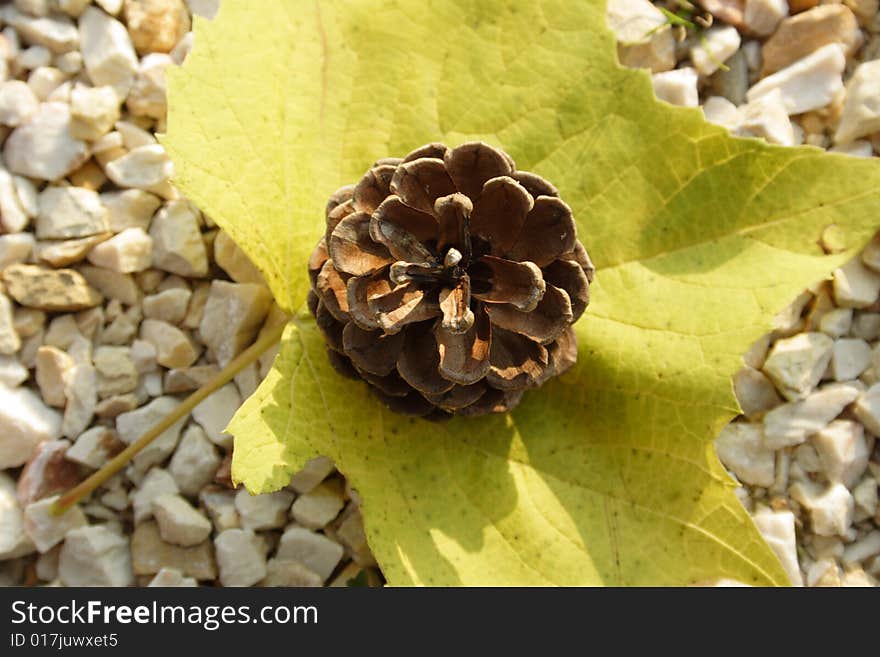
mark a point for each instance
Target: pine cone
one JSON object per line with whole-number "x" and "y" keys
{"x": 449, "y": 281}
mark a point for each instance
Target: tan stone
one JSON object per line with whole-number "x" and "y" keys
{"x": 233, "y": 315}
{"x": 234, "y": 261}
{"x": 173, "y": 347}
{"x": 150, "y": 554}
{"x": 804, "y": 33}
{"x": 156, "y": 25}
{"x": 53, "y": 367}
{"x": 116, "y": 371}
{"x": 61, "y": 253}
{"x": 52, "y": 290}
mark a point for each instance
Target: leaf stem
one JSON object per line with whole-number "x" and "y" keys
{"x": 270, "y": 337}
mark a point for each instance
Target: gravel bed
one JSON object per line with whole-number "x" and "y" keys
{"x": 112, "y": 284}
{"x": 805, "y": 449}
{"x": 118, "y": 297}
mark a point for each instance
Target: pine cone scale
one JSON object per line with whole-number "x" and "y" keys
{"x": 464, "y": 357}
{"x": 500, "y": 213}
{"x": 497, "y": 280}
{"x": 419, "y": 183}
{"x": 544, "y": 324}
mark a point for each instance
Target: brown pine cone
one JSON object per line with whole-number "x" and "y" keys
{"x": 449, "y": 281}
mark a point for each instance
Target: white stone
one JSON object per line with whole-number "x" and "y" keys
{"x": 831, "y": 509}
{"x": 145, "y": 167}
{"x": 720, "y": 111}
{"x": 13, "y": 540}
{"x": 861, "y": 109}
{"x": 315, "y": 551}
{"x": 849, "y": 358}
{"x": 741, "y": 448}
{"x": 220, "y": 504}
{"x": 766, "y": 117}
{"x": 70, "y": 212}
{"x": 112, "y": 284}
{"x": 17, "y": 103}
{"x": 28, "y": 195}
{"x": 10, "y": 342}
{"x": 214, "y": 414}
{"x": 52, "y": 371}
{"x": 12, "y": 372}
{"x": 44, "y": 528}
{"x": 32, "y": 7}
{"x": 48, "y": 84}
{"x": 112, "y": 7}
{"x": 233, "y": 315}
{"x": 283, "y": 572}
{"x": 133, "y": 136}
{"x": 866, "y": 497}
{"x": 81, "y": 391}
{"x": 718, "y": 44}
{"x": 234, "y": 262}
{"x": 94, "y": 447}
{"x": 858, "y": 148}
{"x": 631, "y": 20}
{"x": 170, "y": 577}
{"x": 791, "y": 424}
{"x": 179, "y": 523}
{"x": 195, "y": 461}
{"x": 866, "y": 326}
{"x": 94, "y": 111}
{"x": 867, "y": 409}
{"x": 177, "y": 242}
{"x": 26, "y": 422}
{"x": 148, "y": 95}
{"x": 808, "y": 84}
{"x": 95, "y": 556}
{"x": 315, "y": 471}
{"x": 156, "y": 483}
{"x": 107, "y": 51}
{"x": 128, "y": 251}
{"x": 55, "y": 32}
{"x": 320, "y": 506}
{"x": 129, "y": 208}
{"x": 678, "y": 87}
{"x": 761, "y": 17}
{"x": 644, "y": 39}
{"x": 132, "y": 425}
{"x": 15, "y": 248}
{"x": 837, "y": 322}
{"x": 173, "y": 347}
{"x": 168, "y": 305}
{"x": 863, "y": 549}
{"x": 843, "y": 451}
{"x": 69, "y": 63}
{"x": 13, "y": 217}
{"x": 144, "y": 356}
{"x": 241, "y": 557}
{"x": 209, "y": 8}
{"x": 267, "y": 511}
{"x": 796, "y": 364}
{"x": 777, "y": 528}
{"x": 42, "y": 146}
{"x": 117, "y": 374}
{"x": 182, "y": 49}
